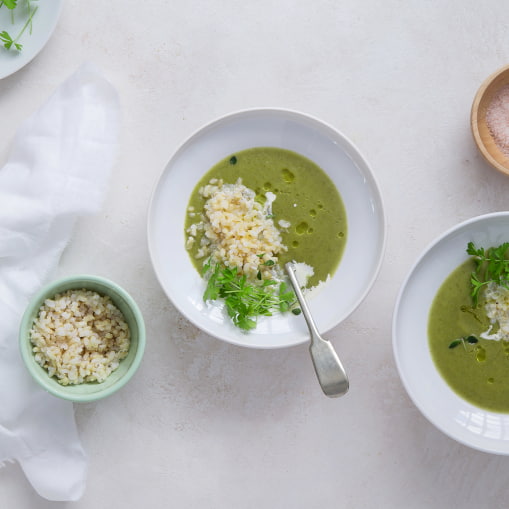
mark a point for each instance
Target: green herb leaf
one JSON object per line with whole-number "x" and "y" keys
{"x": 472, "y": 340}
{"x": 233, "y": 160}
{"x": 455, "y": 343}
{"x": 491, "y": 265}
{"x": 8, "y": 41}
{"x": 10, "y": 4}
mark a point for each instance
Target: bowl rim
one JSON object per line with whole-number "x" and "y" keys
{"x": 305, "y": 117}
{"x": 396, "y": 310}
{"x": 474, "y": 119}
{"x": 52, "y": 288}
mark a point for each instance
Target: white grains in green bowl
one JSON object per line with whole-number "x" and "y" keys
{"x": 79, "y": 336}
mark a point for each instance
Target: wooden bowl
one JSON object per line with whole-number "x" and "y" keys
{"x": 482, "y": 136}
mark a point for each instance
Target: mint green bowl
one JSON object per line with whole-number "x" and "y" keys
{"x": 89, "y": 391}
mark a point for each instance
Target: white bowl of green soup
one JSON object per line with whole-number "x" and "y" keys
{"x": 246, "y": 194}
{"x": 451, "y": 333}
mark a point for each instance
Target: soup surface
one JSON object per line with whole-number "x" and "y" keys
{"x": 307, "y": 202}
{"x": 476, "y": 371}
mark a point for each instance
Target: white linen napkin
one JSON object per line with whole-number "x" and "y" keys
{"x": 58, "y": 168}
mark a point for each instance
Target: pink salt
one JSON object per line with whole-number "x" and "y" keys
{"x": 497, "y": 119}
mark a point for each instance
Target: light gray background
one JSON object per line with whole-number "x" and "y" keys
{"x": 207, "y": 425}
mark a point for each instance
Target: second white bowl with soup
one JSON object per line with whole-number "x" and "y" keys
{"x": 451, "y": 333}
{"x": 316, "y": 202}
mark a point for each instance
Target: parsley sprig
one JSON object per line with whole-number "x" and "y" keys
{"x": 245, "y": 300}
{"x": 6, "y": 39}
{"x": 491, "y": 265}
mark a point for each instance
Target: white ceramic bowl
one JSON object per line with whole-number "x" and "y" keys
{"x": 478, "y": 428}
{"x": 263, "y": 128}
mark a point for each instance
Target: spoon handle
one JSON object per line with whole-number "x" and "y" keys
{"x": 328, "y": 367}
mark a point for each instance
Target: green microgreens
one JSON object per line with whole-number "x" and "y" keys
{"x": 5, "y": 38}
{"x": 8, "y": 41}
{"x": 491, "y": 265}
{"x": 245, "y": 300}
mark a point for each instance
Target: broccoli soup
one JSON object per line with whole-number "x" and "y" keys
{"x": 468, "y": 334}
{"x": 259, "y": 208}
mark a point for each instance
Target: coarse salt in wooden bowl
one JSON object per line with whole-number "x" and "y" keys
{"x": 490, "y": 120}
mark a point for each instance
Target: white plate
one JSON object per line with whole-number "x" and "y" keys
{"x": 43, "y": 24}
{"x": 261, "y": 128}
{"x": 481, "y": 429}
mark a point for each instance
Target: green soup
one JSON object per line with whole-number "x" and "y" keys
{"x": 477, "y": 372}
{"x": 305, "y": 196}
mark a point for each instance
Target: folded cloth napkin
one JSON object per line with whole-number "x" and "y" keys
{"x": 58, "y": 169}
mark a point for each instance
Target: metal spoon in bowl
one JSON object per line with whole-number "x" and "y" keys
{"x": 328, "y": 367}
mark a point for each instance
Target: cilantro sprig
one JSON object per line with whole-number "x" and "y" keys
{"x": 8, "y": 41}
{"x": 245, "y": 301}
{"x": 491, "y": 265}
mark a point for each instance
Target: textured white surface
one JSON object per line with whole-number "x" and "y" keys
{"x": 206, "y": 424}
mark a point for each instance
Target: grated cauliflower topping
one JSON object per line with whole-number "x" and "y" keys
{"x": 497, "y": 310}
{"x": 236, "y": 228}
{"x": 79, "y": 336}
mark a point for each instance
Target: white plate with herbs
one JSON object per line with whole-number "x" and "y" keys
{"x": 24, "y": 31}
{"x": 460, "y": 419}
{"x": 292, "y": 131}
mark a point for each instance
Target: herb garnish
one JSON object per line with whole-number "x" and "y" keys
{"x": 5, "y": 38}
{"x": 245, "y": 301}
{"x": 491, "y": 265}
{"x": 470, "y": 339}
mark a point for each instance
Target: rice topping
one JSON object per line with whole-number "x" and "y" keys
{"x": 497, "y": 310}
{"x": 237, "y": 228}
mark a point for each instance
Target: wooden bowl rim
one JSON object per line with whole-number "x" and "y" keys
{"x": 499, "y": 160}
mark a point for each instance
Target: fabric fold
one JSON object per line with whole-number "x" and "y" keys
{"x": 58, "y": 169}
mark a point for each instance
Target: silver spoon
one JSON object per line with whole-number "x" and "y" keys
{"x": 328, "y": 367}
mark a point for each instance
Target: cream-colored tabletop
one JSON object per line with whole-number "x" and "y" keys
{"x": 204, "y": 424}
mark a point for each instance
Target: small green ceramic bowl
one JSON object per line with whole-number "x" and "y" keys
{"x": 89, "y": 391}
